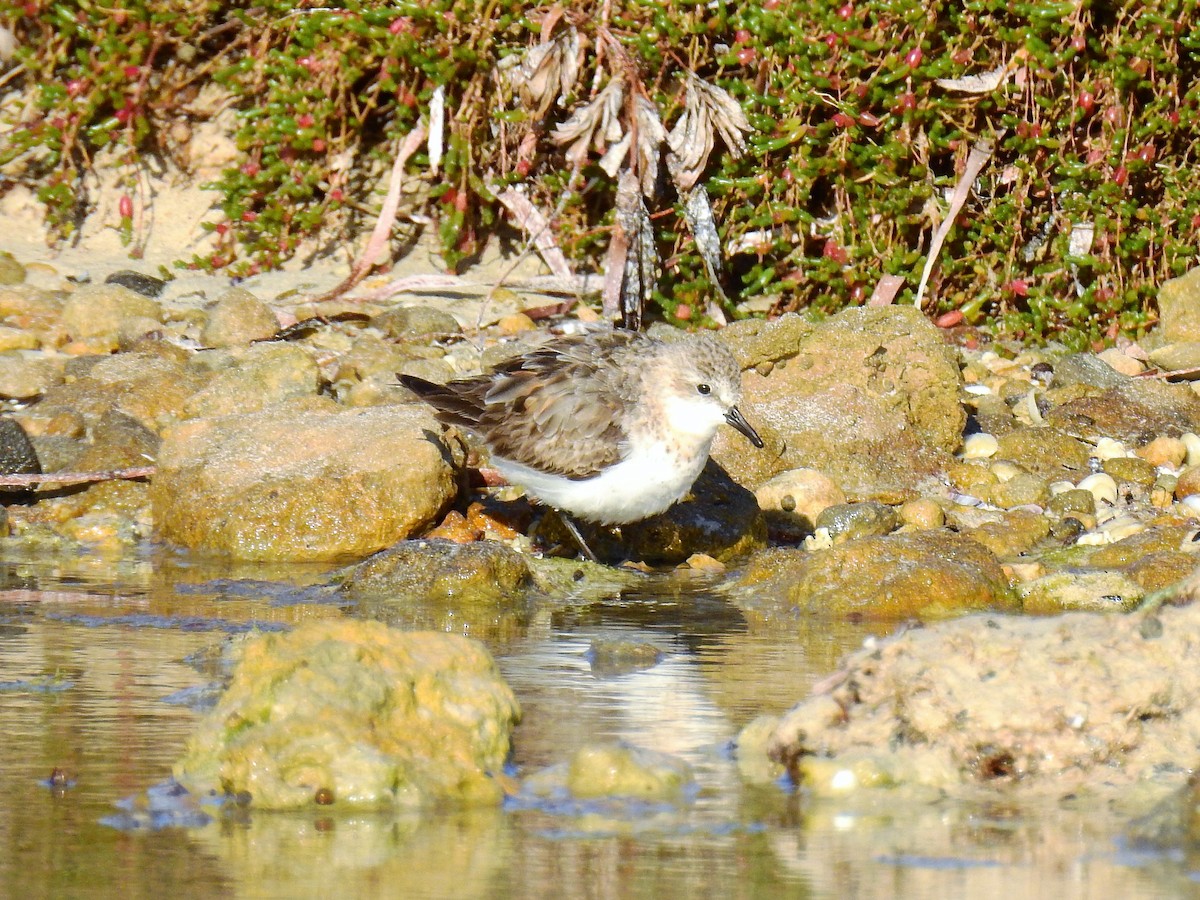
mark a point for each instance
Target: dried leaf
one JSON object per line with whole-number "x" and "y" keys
{"x": 548, "y": 71}
{"x": 650, "y": 137}
{"x": 698, "y": 213}
{"x": 615, "y": 155}
{"x": 707, "y": 110}
{"x": 632, "y": 253}
{"x": 983, "y": 83}
{"x": 594, "y": 124}
{"x": 437, "y": 127}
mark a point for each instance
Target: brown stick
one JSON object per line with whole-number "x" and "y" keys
{"x": 40, "y": 478}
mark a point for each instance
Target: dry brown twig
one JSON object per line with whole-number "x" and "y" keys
{"x": 66, "y": 478}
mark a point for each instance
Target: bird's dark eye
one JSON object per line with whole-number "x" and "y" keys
{"x": 704, "y": 389}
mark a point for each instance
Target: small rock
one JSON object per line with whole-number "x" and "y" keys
{"x": 416, "y": 323}
{"x": 847, "y": 521}
{"x": 797, "y": 497}
{"x": 17, "y": 339}
{"x": 1072, "y": 502}
{"x": 238, "y": 318}
{"x": 621, "y": 771}
{"x": 980, "y": 446}
{"x": 621, "y": 657}
{"x": 146, "y": 285}
{"x": 515, "y": 324}
{"x": 259, "y": 376}
{"x": 1121, "y": 362}
{"x": 1178, "y": 356}
{"x": 25, "y": 377}
{"x": 1188, "y": 482}
{"x": 1164, "y": 451}
{"x": 17, "y": 456}
{"x": 1179, "y": 307}
{"x": 922, "y": 513}
{"x": 11, "y": 271}
{"x": 1131, "y": 469}
{"x": 98, "y": 311}
{"x": 1023, "y": 489}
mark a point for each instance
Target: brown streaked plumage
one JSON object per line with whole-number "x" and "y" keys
{"x": 611, "y": 426}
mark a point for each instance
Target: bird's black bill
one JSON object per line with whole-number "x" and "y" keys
{"x": 735, "y": 418}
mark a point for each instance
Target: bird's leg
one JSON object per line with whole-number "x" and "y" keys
{"x": 570, "y": 526}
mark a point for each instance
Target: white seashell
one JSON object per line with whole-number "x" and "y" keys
{"x": 1060, "y": 487}
{"x": 1031, "y": 408}
{"x": 1093, "y": 538}
{"x": 1107, "y": 448}
{"x": 1191, "y": 504}
{"x": 980, "y": 445}
{"x": 978, "y": 389}
{"x": 1102, "y": 486}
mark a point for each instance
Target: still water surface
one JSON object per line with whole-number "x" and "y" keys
{"x": 93, "y": 656}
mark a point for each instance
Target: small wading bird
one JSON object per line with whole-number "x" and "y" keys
{"x": 610, "y": 427}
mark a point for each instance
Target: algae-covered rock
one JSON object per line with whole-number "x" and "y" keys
{"x": 848, "y": 521}
{"x": 149, "y": 387}
{"x": 297, "y": 484}
{"x": 615, "y": 771}
{"x": 870, "y": 397}
{"x": 1098, "y": 591}
{"x": 480, "y": 588}
{"x": 927, "y": 574}
{"x": 1135, "y": 412}
{"x": 1046, "y": 452}
{"x": 1010, "y": 533}
{"x": 359, "y": 713}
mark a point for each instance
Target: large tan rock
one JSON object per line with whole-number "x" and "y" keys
{"x": 869, "y": 397}
{"x": 292, "y": 483}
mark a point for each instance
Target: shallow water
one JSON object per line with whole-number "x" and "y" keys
{"x": 94, "y": 655}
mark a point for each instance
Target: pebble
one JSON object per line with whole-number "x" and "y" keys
{"x": 1122, "y": 362}
{"x": 980, "y": 446}
{"x": 1164, "y": 451}
{"x": 146, "y": 285}
{"x": 1191, "y": 443}
{"x": 1107, "y": 448}
{"x": 1188, "y": 482}
{"x": 922, "y": 513}
{"x": 799, "y": 496}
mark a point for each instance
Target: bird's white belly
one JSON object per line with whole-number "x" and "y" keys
{"x": 645, "y": 483}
